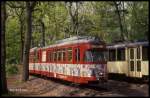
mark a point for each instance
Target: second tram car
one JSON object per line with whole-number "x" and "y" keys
{"x": 128, "y": 59}
{"x": 75, "y": 59}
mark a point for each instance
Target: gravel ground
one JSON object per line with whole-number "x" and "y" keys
{"x": 38, "y": 86}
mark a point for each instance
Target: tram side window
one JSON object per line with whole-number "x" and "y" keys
{"x": 132, "y": 65}
{"x": 138, "y": 53}
{"x": 63, "y": 55}
{"x": 112, "y": 55}
{"x": 77, "y": 54}
{"x": 131, "y": 53}
{"x": 58, "y": 55}
{"x": 54, "y": 56}
{"x": 145, "y": 53}
{"x": 70, "y": 54}
{"x": 43, "y": 56}
{"x": 49, "y": 56}
{"x": 37, "y": 56}
{"x": 138, "y": 65}
{"x": 121, "y": 54}
{"x": 59, "y": 58}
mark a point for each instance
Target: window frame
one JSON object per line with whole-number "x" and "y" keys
{"x": 120, "y": 54}
{"x": 69, "y": 51}
{"x": 77, "y": 52}
{"x": 114, "y": 55}
{"x": 143, "y": 57}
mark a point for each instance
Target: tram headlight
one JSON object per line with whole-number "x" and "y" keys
{"x": 100, "y": 73}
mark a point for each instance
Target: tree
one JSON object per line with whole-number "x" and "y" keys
{"x": 29, "y": 9}
{"x": 43, "y": 32}
{"x": 73, "y": 12}
{"x": 3, "y": 48}
{"x": 138, "y": 21}
{"x": 120, "y": 10}
{"x": 19, "y": 12}
{"x": 119, "y": 20}
{"x": 39, "y": 22}
{"x": 52, "y": 19}
{"x": 21, "y": 21}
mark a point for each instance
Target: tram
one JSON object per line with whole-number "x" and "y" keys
{"x": 129, "y": 59}
{"x": 77, "y": 59}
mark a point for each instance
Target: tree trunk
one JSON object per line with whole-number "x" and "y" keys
{"x": 22, "y": 40}
{"x": 120, "y": 21}
{"x": 125, "y": 23}
{"x": 43, "y": 33}
{"x": 3, "y": 49}
{"x": 74, "y": 17}
{"x": 25, "y": 71}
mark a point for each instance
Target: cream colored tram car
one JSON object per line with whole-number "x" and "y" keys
{"x": 129, "y": 59}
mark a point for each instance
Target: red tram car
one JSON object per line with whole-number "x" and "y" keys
{"x": 75, "y": 59}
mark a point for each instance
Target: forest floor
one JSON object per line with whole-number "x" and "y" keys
{"x": 42, "y": 86}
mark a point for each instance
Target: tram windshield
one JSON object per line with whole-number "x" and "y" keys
{"x": 95, "y": 55}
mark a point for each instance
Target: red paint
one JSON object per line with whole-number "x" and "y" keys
{"x": 77, "y": 79}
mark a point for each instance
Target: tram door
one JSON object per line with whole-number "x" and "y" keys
{"x": 135, "y": 62}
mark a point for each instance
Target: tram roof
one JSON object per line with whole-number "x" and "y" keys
{"x": 73, "y": 40}
{"x": 127, "y": 44}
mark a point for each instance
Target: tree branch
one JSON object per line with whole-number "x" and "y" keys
{"x": 10, "y": 4}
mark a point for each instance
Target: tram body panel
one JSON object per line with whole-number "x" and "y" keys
{"x": 120, "y": 67}
{"x": 145, "y": 67}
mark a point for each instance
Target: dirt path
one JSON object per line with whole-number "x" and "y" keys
{"x": 47, "y": 87}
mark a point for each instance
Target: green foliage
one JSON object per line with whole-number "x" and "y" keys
{"x": 12, "y": 69}
{"x": 54, "y": 16}
{"x": 12, "y": 40}
{"x": 94, "y": 19}
{"x": 138, "y": 20}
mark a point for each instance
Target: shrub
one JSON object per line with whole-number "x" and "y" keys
{"x": 12, "y": 69}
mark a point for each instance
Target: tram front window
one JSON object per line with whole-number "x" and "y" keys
{"x": 95, "y": 55}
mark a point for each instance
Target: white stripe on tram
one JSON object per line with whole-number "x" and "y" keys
{"x": 66, "y": 69}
